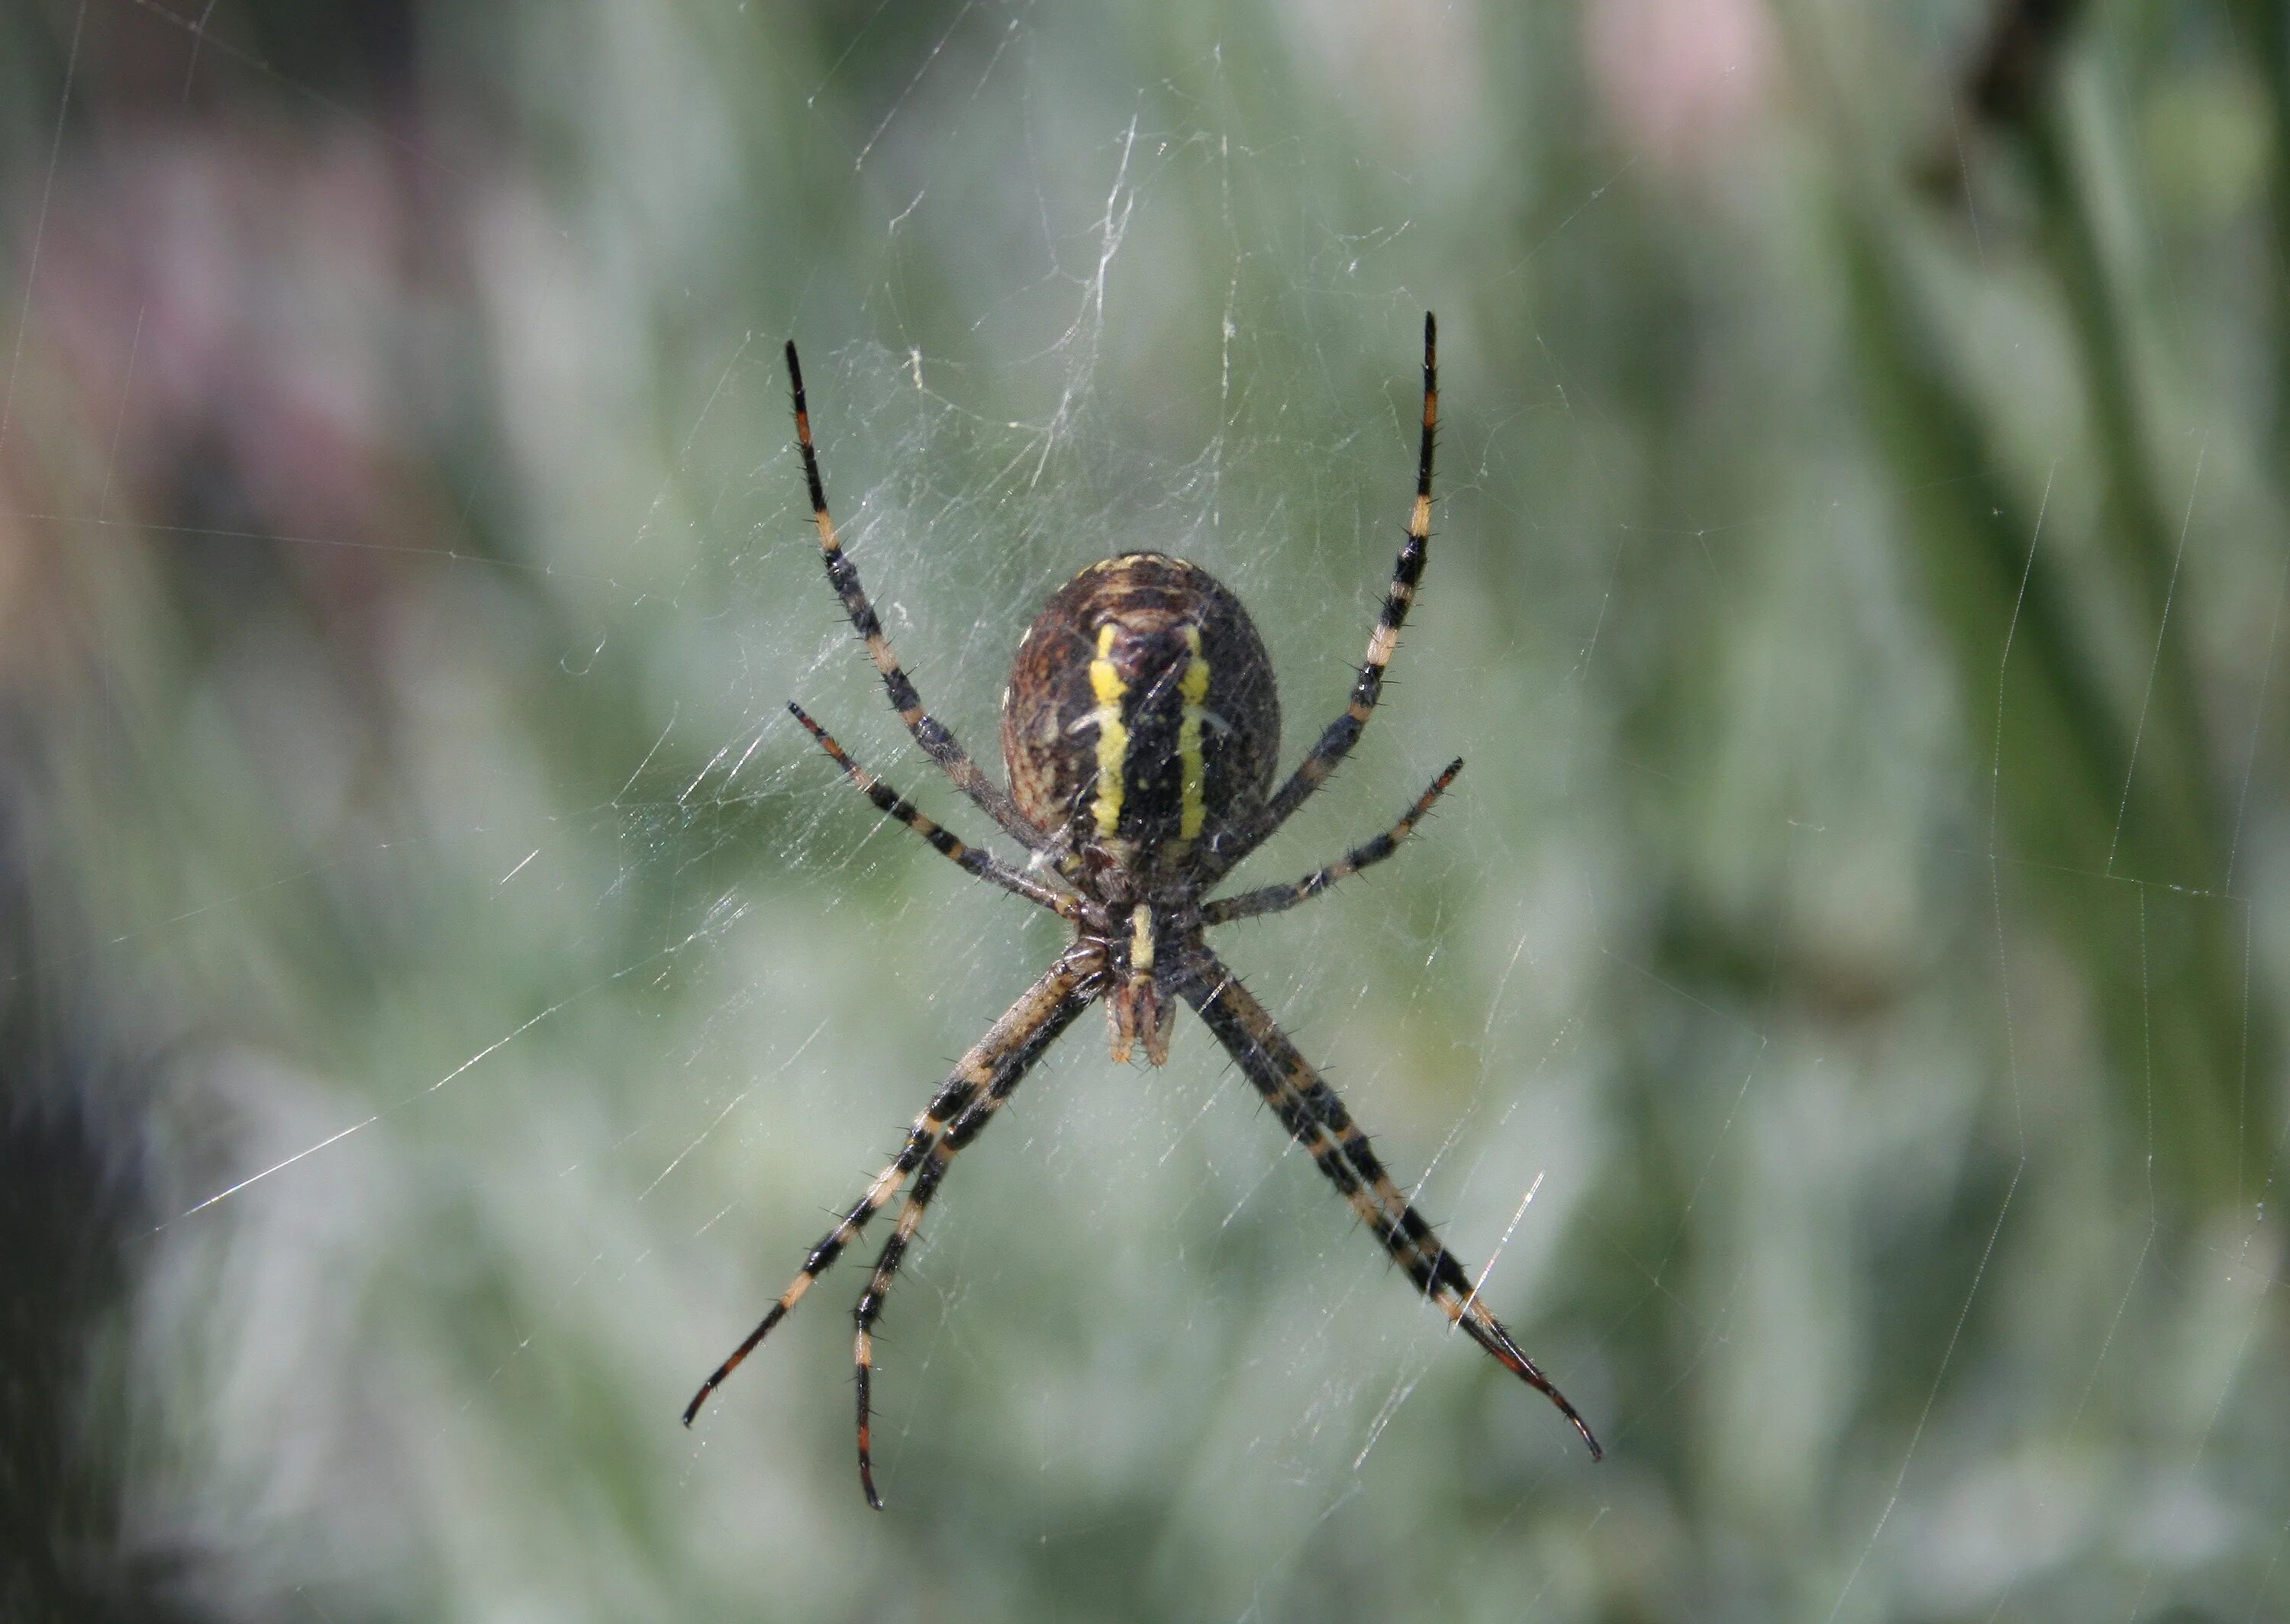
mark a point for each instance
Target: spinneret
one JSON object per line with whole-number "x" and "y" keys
{"x": 1141, "y": 729}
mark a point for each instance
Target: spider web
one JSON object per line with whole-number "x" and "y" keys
{"x": 1873, "y": 1141}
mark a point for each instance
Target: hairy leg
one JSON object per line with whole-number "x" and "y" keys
{"x": 972, "y": 859}
{"x": 998, "y": 1060}
{"x": 929, "y": 733}
{"x": 1275, "y": 898}
{"x": 1336, "y": 742}
{"x": 964, "y": 1128}
{"x": 1316, "y": 1119}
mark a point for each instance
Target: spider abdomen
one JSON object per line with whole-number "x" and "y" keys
{"x": 1140, "y": 715}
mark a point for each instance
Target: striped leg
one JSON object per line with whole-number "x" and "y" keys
{"x": 984, "y": 864}
{"x": 1344, "y": 731}
{"x": 1000, "y": 1058}
{"x": 1275, "y": 898}
{"x": 975, "y": 1115}
{"x": 1316, "y": 1119}
{"x": 936, "y": 742}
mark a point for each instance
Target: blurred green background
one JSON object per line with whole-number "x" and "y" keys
{"x": 441, "y": 993}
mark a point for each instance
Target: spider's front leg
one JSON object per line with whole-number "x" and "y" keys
{"x": 1023, "y": 1049}
{"x": 1316, "y": 1119}
{"x": 990, "y": 1070}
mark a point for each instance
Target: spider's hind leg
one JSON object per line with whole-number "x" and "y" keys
{"x": 937, "y": 743}
{"x": 1336, "y": 741}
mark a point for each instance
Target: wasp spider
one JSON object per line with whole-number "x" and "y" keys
{"x": 1139, "y": 729}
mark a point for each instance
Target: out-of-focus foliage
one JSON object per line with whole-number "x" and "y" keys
{"x": 444, "y": 992}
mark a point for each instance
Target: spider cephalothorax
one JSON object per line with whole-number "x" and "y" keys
{"x": 1142, "y": 731}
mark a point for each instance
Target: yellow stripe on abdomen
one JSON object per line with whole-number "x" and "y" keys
{"x": 1193, "y": 689}
{"x": 1112, "y": 734}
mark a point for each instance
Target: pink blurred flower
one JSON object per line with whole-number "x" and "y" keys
{"x": 1683, "y": 81}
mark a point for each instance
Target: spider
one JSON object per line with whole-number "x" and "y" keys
{"x": 1140, "y": 729}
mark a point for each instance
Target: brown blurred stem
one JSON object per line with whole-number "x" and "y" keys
{"x": 2269, "y": 25}
{"x": 2014, "y": 68}
{"x": 2163, "y": 967}
{"x": 2105, "y": 786}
